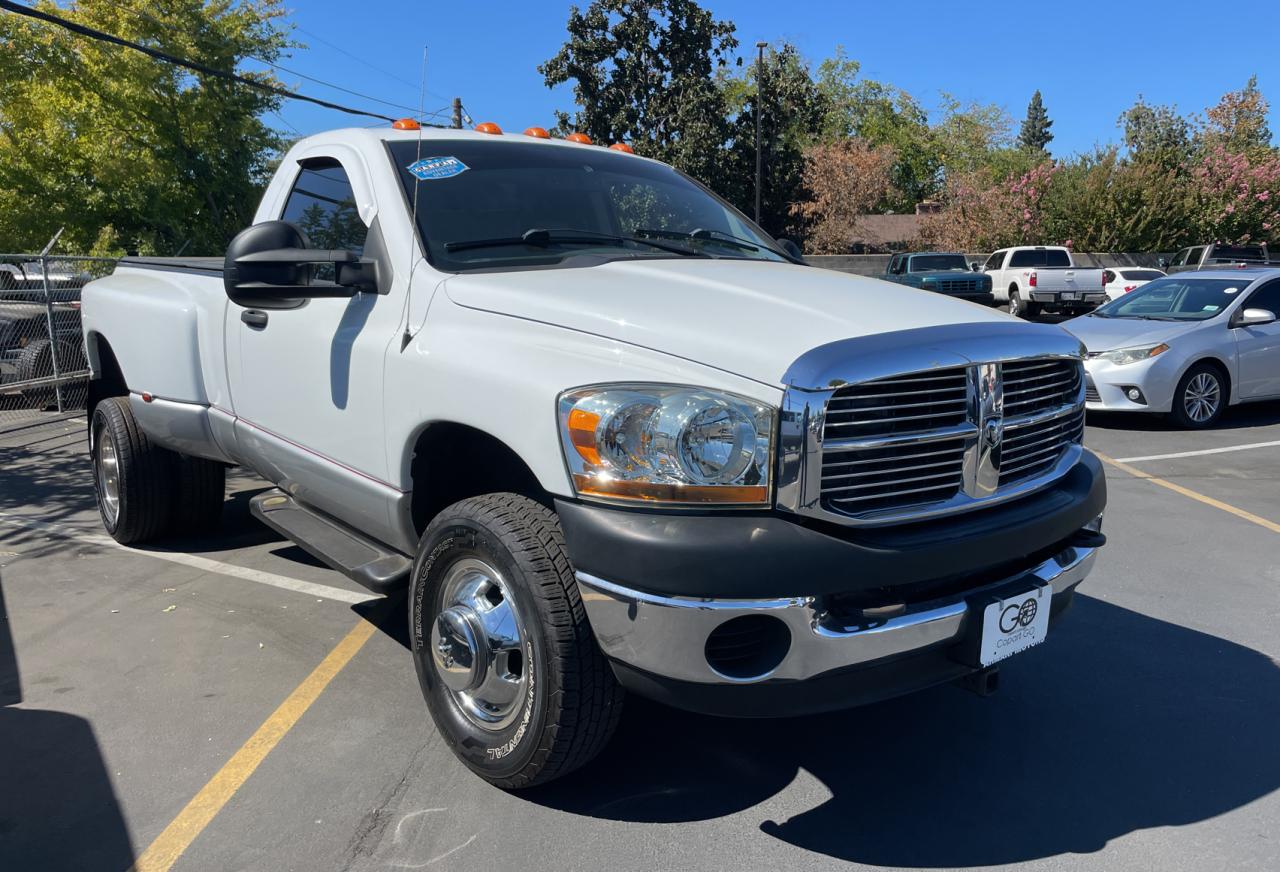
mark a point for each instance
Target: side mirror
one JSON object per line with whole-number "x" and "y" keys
{"x": 269, "y": 266}
{"x": 1162, "y": 262}
{"x": 974, "y": 266}
{"x": 790, "y": 247}
{"x": 1253, "y": 317}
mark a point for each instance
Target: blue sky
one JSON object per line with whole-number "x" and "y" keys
{"x": 1089, "y": 59}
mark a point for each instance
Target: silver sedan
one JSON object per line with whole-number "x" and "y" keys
{"x": 1188, "y": 345}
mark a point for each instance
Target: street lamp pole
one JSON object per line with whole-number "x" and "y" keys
{"x": 760, "y": 46}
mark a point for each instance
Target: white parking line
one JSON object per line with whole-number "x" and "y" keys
{"x": 1222, "y": 450}
{"x": 284, "y": 582}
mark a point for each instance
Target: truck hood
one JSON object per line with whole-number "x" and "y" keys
{"x": 1109, "y": 334}
{"x": 751, "y": 318}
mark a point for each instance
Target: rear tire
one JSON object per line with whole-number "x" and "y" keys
{"x": 508, "y": 664}
{"x": 1020, "y": 308}
{"x": 133, "y": 477}
{"x": 1201, "y": 397}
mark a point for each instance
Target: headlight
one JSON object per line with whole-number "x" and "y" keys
{"x": 1122, "y": 356}
{"x": 666, "y": 443}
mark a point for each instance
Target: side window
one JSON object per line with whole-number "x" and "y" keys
{"x": 1266, "y": 297}
{"x": 892, "y": 268}
{"x": 994, "y": 261}
{"x": 902, "y": 264}
{"x": 323, "y": 205}
{"x": 1108, "y": 276}
{"x": 1193, "y": 255}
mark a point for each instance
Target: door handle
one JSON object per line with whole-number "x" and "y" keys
{"x": 254, "y": 318}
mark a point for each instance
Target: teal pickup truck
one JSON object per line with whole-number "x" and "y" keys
{"x": 942, "y": 272}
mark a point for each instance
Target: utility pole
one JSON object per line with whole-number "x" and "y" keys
{"x": 760, "y": 46}
{"x": 457, "y": 113}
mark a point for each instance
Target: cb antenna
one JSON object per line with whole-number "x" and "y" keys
{"x": 413, "y": 212}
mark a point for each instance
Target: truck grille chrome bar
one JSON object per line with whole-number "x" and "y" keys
{"x": 912, "y": 445}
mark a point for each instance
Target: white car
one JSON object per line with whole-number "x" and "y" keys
{"x": 1188, "y": 345}
{"x": 1118, "y": 281}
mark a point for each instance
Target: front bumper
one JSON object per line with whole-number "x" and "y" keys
{"x": 667, "y": 636}
{"x": 1107, "y": 385}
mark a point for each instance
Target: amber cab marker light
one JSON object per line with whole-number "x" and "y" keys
{"x": 488, "y": 127}
{"x": 579, "y": 137}
{"x": 622, "y": 146}
{"x": 406, "y": 124}
{"x": 539, "y": 132}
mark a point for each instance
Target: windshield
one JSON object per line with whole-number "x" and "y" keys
{"x": 939, "y": 263}
{"x": 1176, "y": 299}
{"x": 582, "y": 204}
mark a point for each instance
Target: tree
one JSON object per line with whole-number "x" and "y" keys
{"x": 791, "y": 114}
{"x": 844, "y": 179}
{"x": 967, "y": 137}
{"x": 643, "y": 73}
{"x": 124, "y": 151}
{"x": 1035, "y": 135}
{"x": 1238, "y": 122}
{"x": 1156, "y": 133}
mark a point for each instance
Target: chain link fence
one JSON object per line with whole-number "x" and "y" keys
{"x": 43, "y": 367}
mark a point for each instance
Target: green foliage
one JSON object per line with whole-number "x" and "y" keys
{"x": 124, "y": 151}
{"x": 643, "y": 73}
{"x": 1156, "y": 134}
{"x": 1035, "y": 135}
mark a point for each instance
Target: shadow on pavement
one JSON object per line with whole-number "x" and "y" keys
{"x": 58, "y": 809}
{"x": 1239, "y": 417}
{"x": 1120, "y": 723}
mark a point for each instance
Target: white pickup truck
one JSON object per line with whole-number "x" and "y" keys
{"x": 607, "y": 432}
{"x": 1036, "y": 278}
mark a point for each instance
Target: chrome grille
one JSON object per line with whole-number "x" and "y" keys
{"x": 1031, "y": 448}
{"x": 1032, "y": 386}
{"x": 915, "y": 444}
{"x": 1091, "y": 394}
{"x": 957, "y": 286}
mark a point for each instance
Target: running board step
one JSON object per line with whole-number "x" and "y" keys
{"x": 359, "y": 558}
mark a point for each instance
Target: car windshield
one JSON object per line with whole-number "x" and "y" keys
{"x": 504, "y": 205}
{"x": 1176, "y": 299}
{"x": 939, "y": 263}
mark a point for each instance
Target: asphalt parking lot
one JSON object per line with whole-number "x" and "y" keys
{"x": 228, "y": 703}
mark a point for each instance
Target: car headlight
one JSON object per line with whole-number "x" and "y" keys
{"x": 1122, "y": 356}
{"x": 667, "y": 444}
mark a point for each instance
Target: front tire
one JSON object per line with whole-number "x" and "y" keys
{"x": 507, "y": 662}
{"x": 1201, "y": 397}
{"x": 133, "y": 477}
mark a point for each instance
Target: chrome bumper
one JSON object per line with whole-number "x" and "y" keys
{"x": 667, "y": 636}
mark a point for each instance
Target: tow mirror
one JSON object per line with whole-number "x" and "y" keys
{"x": 1253, "y": 317}
{"x": 974, "y": 266}
{"x": 790, "y": 247}
{"x": 269, "y": 266}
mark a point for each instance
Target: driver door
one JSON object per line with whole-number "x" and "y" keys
{"x": 1258, "y": 346}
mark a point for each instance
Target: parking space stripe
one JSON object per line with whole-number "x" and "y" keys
{"x": 1223, "y": 450}
{"x": 162, "y": 853}
{"x": 1190, "y": 494}
{"x": 284, "y": 582}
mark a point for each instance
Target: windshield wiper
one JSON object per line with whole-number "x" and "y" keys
{"x": 542, "y": 237}
{"x": 727, "y": 239}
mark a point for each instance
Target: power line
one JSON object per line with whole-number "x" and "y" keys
{"x": 355, "y": 57}
{"x": 101, "y": 36}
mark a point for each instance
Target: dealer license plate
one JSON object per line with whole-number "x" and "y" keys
{"x": 1015, "y": 624}
{"x": 1070, "y": 295}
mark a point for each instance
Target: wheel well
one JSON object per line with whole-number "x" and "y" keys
{"x": 110, "y": 380}
{"x": 452, "y": 462}
{"x": 1216, "y": 364}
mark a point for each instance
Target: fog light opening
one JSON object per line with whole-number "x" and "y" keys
{"x": 748, "y": 648}
{"x": 1134, "y": 395}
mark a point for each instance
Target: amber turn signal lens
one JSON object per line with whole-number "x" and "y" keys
{"x": 582, "y": 433}
{"x": 622, "y": 146}
{"x": 539, "y": 132}
{"x": 488, "y": 127}
{"x": 579, "y": 137}
{"x": 405, "y": 124}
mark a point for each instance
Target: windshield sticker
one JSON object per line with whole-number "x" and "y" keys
{"x": 1231, "y": 291}
{"x": 431, "y": 168}
{"x": 1211, "y": 308}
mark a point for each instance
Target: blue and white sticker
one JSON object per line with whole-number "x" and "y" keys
{"x": 431, "y": 168}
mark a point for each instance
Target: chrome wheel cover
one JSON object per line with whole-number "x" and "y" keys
{"x": 1202, "y": 397}
{"x": 107, "y": 468}
{"x": 1015, "y": 305}
{"x": 479, "y": 647}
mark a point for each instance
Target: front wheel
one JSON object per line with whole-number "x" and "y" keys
{"x": 1201, "y": 397}
{"x": 508, "y": 664}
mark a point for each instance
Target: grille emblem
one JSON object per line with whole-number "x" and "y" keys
{"x": 993, "y": 431}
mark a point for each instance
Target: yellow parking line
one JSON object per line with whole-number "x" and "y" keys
{"x": 161, "y": 854}
{"x": 1187, "y": 492}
